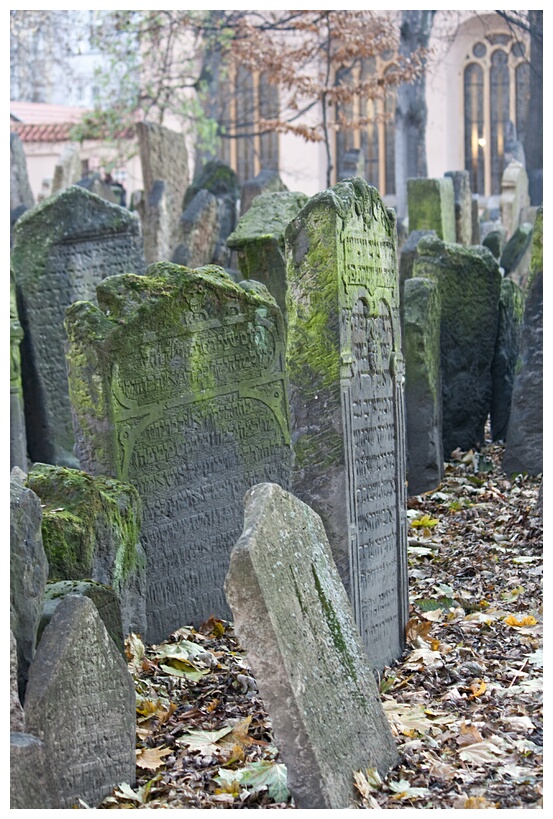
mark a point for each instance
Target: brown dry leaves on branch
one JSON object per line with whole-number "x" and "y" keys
{"x": 464, "y": 703}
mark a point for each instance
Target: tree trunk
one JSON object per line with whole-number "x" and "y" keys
{"x": 411, "y": 111}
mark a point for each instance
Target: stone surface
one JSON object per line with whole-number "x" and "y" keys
{"x": 68, "y": 168}
{"x": 259, "y": 240}
{"x": 514, "y": 196}
{"x": 21, "y": 195}
{"x": 28, "y": 572}
{"x": 351, "y": 163}
{"x": 423, "y": 385}
{"x": 221, "y": 181}
{"x": 511, "y": 307}
{"x": 469, "y": 285}
{"x": 494, "y": 240}
{"x": 199, "y": 231}
{"x": 18, "y": 437}
{"x": 293, "y": 618}
{"x": 17, "y": 717}
{"x": 516, "y": 248}
{"x": 62, "y": 249}
{"x": 266, "y": 181}
{"x": 408, "y": 254}
{"x": 179, "y": 388}
{"x": 431, "y": 206}
{"x": 95, "y": 184}
{"x": 346, "y": 395}
{"x": 31, "y": 784}
{"x": 81, "y": 703}
{"x": 462, "y": 198}
{"x": 524, "y": 444}
{"x": 91, "y": 531}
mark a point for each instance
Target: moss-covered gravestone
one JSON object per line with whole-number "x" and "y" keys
{"x": 259, "y": 240}
{"x": 62, "y": 249}
{"x": 431, "y": 205}
{"x": 423, "y": 385}
{"x": 469, "y": 285}
{"x": 18, "y": 437}
{"x": 91, "y": 531}
{"x": 178, "y": 387}
{"x": 462, "y": 199}
{"x": 346, "y": 392}
{"x": 511, "y": 308}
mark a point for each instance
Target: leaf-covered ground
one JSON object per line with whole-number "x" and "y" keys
{"x": 464, "y": 702}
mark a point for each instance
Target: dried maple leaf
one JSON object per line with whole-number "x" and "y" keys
{"x": 151, "y": 758}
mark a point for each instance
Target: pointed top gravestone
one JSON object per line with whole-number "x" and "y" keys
{"x": 62, "y": 249}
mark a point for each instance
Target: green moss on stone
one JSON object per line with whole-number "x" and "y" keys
{"x": 334, "y": 627}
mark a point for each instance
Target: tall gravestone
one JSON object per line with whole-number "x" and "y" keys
{"x": 511, "y": 308}
{"x": 62, "y": 249}
{"x": 294, "y": 619}
{"x": 81, "y": 703}
{"x": 431, "y": 206}
{"x": 18, "y": 437}
{"x": 259, "y": 240}
{"x": 462, "y": 198}
{"x": 347, "y": 404}
{"x": 179, "y": 388}
{"x": 423, "y": 385}
{"x": 469, "y": 285}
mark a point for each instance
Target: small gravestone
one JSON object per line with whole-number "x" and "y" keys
{"x": 259, "y": 240}
{"x": 469, "y": 285}
{"x": 514, "y": 196}
{"x": 179, "y": 388}
{"x": 431, "y": 206}
{"x": 95, "y": 184}
{"x": 511, "y": 308}
{"x": 62, "y": 249}
{"x": 68, "y": 168}
{"x": 31, "y": 782}
{"x": 351, "y": 163}
{"x": 91, "y": 531}
{"x": 423, "y": 385}
{"x": 81, "y": 703}
{"x": 462, "y": 197}
{"x": 293, "y": 618}
{"x": 199, "y": 231}
{"x": 524, "y": 444}
{"x": 494, "y": 240}
{"x": 347, "y": 403}
{"x": 28, "y": 572}
{"x": 18, "y": 437}
{"x": 266, "y": 181}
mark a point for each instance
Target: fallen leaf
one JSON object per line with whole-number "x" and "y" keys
{"x": 478, "y": 689}
{"x": 468, "y": 735}
{"x": 477, "y": 802}
{"x": 403, "y": 790}
{"x": 204, "y": 741}
{"x": 528, "y": 620}
{"x": 151, "y": 758}
{"x": 481, "y": 753}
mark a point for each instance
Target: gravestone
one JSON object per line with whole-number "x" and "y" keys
{"x": 165, "y": 174}
{"x": 91, "y": 531}
{"x": 21, "y": 195}
{"x": 31, "y": 784}
{"x": 408, "y": 254}
{"x": 514, "y": 253}
{"x": 259, "y": 240}
{"x": 469, "y": 285}
{"x": 514, "y": 196}
{"x": 95, "y": 184}
{"x": 511, "y": 308}
{"x": 346, "y": 395}
{"x": 199, "y": 231}
{"x": 266, "y": 181}
{"x": 28, "y": 572}
{"x": 293, "y": 618}
{"x": 18, "y": 437}
{"x": 62, "y": 249}
{"x": 68, "y": 168}
{"x": 81, "y": 703}
{"x": 431, "y": 206}
{"x": 179, "y": 388}
{"x": 462, "y": 198}
{"x": 494, "y": 239}
{"x": 423, "y": 385}
{"x": 524, "y": 444}
{"x": 351, "y": 163}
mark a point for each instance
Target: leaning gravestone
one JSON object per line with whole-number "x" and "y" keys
{"x": 18, "y": 437}
{"x": 469, "y": 285}
{"x": 431, "y": 206}
{"x": 179, "y": 388}
{"x": 293, "y": 618}
{"x": 62, "y": 249}
{"x": 346, "y": 393}
{"x": 259, "y": 240}
{"x": 524, "y": 444}
{"x": 462, "y": 197}
{"x": 91, "y": 531}
{"x": 423, "y": 385}
{"x": 81, "y": 703}
{"x": 511, "y": 308}
{"x": 512, "y": 255}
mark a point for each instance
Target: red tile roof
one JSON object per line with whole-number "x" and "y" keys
{"x": 42, "y": 132}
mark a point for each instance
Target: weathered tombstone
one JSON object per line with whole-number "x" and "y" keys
{"x": 293, "y": 618}
{"x": 524, "y": 444}
{"x": 18, "y": 437}
{"x": 28, "y": 572}
{"x": 266, "y": 181}
{"x": 469, "y": 285}
{"x": 95, "y": 184}
{"x": 514, "y": 196}
{"x": 21, "y": 195}
{"x": 513, "y": 254}
{"x": 68, "y": 168}
{"x": 494, "y": 240}
{"x": 199, "y": 231}
{"x": 431, "y": 206}
{"x": 408, "y": 254}
{"x": 165, "y": 174}
{"x": 259, "y": 240}
{"x": 31, "y": 783}
{"x": 91, "y": 531}
{"x": 351, "y": 163}
{"x": 179, "y": 388}
{"x": 17, "y": 717}
{"x": 81, "y": 703}
{"x": 462, "y": 198}
{"x": 346, "y": 394}
{"x": 423, "y": 385}
{"x": 62, "y": 249}
{"x": 475, "y": 220}
{"x": 511, "y": 308}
